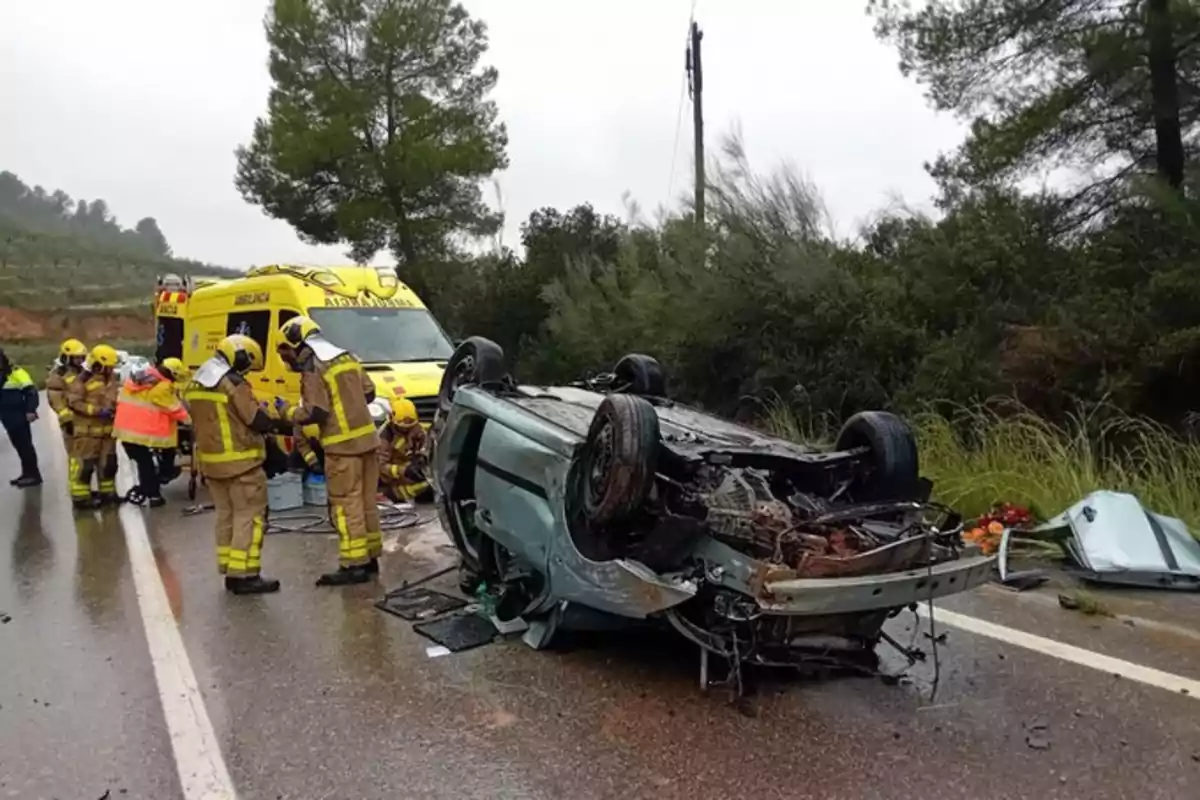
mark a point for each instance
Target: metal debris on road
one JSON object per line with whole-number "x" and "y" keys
{"x": 459, "y": 632}
{"x": 1036, "y": 738}
{"x": 418, "y": 603}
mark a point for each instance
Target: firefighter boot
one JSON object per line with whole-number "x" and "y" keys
{"x": 345, "y": 576}
{"x": 251, "y": 584}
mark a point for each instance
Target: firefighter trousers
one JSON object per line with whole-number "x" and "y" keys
{"x": 20, "y": 433}
{"x": 352, "y": 482}
{"x": 93, "y": 456}
{"x": 241, "y": 505}
{"x": 69, "y": 444}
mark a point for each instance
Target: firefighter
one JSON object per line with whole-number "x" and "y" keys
{"x": 402, "y": 453}
{"x": 147, "y": 419}
{"x": 334, "y": 395}
{"x": 228, "y": 428}
{"x": 92, "y": 399}
{"x": 18, "y": 412}
{"x": 63, "y": 373}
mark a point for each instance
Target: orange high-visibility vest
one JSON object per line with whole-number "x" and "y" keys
{"x": 148, "y": 411}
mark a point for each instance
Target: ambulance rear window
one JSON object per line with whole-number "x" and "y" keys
{"x": 169, "y": 338}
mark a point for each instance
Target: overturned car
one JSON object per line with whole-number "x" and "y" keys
{"x": 606, "y": 499}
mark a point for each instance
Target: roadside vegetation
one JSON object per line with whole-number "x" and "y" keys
{"x": 980, "y": 454}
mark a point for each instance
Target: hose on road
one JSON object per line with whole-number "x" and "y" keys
{"x": 392, "y": 517}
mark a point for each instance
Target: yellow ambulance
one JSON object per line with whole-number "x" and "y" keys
{"x": 365, "y": 310}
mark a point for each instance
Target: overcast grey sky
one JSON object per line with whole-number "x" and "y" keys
{"x": 142, "y": 102}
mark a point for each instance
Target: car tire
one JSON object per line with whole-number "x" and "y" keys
{"x": 642, "y": 374}
{"x": 618, "y": 459}
{"x": 895, "y": 469}
{"x": 476, "y": 361}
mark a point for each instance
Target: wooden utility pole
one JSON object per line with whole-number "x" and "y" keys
{"x": 1164, "y": 93}
{"x": 696, "y": 86}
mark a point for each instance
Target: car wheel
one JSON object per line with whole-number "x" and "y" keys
{"x": 476, "y": 361}
{"x": 618, "y": 459}
{"x": 641, "y": 375}
{"x": 895, "y": 471}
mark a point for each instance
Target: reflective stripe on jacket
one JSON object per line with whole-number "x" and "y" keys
{"x": 342, "y": 388}
{"x": 148, "y": 411}
{"x": 18, "y": 394}
{"x": 225, "y": 444}
{"x": 89, "y": 397}
{"x": 57, "y": 383}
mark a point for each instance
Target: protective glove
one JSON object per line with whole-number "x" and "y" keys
{"x": 284, "y": 409}
{"x": 314, "y": 465}
{"x": 106, "y": 413}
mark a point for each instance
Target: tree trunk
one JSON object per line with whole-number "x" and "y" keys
{"x": 1164, "y": 92}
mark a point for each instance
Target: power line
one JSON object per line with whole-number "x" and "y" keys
{"x": 683, "y": 81}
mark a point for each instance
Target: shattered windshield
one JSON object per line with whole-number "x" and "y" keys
{"x": 384, "y": 335}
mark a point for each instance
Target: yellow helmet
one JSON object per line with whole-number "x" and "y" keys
{"x": 296, "y": 330}
{"x": 73, "y": 348}
{"x": 404, "y": 413}
{"x": 174, "y": 370}
{"x": 241, "y": 352}
{"x": 102, "y": 356}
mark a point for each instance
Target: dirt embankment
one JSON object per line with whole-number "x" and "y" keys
{"x": 90, "y": 325}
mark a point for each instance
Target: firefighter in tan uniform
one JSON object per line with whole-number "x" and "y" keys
{"x": 66, "y": 368}
{"x": 402, "y": 458}
{"x": 92, "y": 400}
{"x": 228, "y": 426}
{"x": 334, "y": 395}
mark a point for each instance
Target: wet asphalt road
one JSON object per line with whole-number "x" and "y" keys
{"x": 316, "y": 694}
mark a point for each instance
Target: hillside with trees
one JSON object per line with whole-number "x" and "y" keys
{"x": 40, "y": 227}
{"x": 58, "y": 253}
{"x": 69, "y": 268}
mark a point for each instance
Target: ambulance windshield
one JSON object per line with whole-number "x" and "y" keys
{"x": 384, "y": 335}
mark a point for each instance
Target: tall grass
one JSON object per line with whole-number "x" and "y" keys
{"x": 1003, "y": 453}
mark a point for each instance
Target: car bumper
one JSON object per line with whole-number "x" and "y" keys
{"x": 822, "y": 596}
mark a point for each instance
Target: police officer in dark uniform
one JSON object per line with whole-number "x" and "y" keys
{"x": 18, "y": 412}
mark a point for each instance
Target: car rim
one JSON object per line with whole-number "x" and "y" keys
{"x": 463, "y": 373}
{"x": 601, "y": 461}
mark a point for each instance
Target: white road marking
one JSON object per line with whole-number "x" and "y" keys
{"x": 1066, "y": 652}
{"x": 202, "y": 771}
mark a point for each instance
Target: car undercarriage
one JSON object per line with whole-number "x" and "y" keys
{"x": 758, "y": 550}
